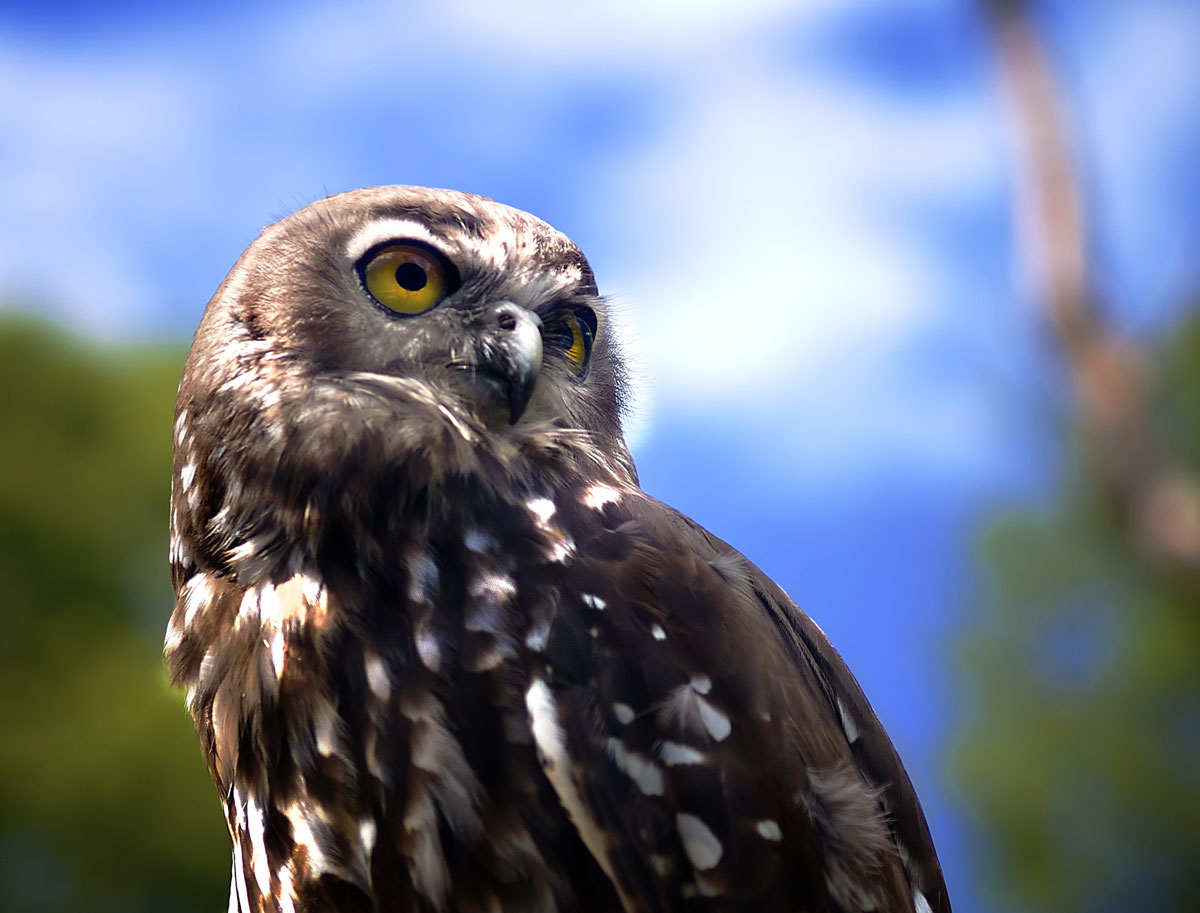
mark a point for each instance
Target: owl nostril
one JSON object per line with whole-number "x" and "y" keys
{"x": 512, "y": 318}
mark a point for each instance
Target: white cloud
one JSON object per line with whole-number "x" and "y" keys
{"x": 1139, "y": 108}
{"x": 781, "y": 288}
{"x": 171, "y": 137}
{"x": 92, "y": 143}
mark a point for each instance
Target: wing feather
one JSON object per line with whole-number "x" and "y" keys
{"x": 717, "y": 738}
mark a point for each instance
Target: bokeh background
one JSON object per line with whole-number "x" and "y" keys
{"x": 909, "y": 291}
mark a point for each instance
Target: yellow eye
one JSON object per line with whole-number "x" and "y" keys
{"x": 578, "y": 352}
{"x": 571, "y": 332}
{"x": 407, "y": 278}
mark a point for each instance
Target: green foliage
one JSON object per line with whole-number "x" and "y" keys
{"x": 1082, "y": 757}
{"x": 104, "y": 800}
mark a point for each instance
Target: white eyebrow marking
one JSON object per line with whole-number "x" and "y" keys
{"x": 387, "y": 230}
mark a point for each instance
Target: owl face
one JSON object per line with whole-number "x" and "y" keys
{"x": 490, "y": 309}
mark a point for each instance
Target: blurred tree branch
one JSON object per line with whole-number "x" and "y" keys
{"x": 1081, "y": 749}
{"x": 1154, "y": 496}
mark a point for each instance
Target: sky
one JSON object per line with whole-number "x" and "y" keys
{"x": 803, "y": 213}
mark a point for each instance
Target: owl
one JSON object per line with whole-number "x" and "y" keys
{"x": 442, "y": 652}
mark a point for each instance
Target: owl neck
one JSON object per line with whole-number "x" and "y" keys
{"x": 349, "y": 465}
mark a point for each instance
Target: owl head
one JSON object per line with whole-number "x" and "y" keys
{"x": 489, "y": 311}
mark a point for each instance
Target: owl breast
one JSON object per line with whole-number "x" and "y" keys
{"x": 378, "y": 736}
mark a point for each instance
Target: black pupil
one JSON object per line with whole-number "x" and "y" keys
{"x": 411, "y": 276}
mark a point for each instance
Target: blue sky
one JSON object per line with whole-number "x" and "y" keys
{"x": 802, "y": 211}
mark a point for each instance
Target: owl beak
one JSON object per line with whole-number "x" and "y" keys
{"x": 515, "y": 356}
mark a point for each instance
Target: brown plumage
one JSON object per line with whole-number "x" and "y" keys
{"x": 442, "y": 652}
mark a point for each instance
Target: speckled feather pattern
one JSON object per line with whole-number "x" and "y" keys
{"x": 440, "y": 662}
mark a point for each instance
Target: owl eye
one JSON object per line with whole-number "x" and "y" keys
{"x": 572, "y": 333}
{"x": 407, "y": 278}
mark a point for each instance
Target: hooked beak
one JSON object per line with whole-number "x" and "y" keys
{"x": 514, "y": 358}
